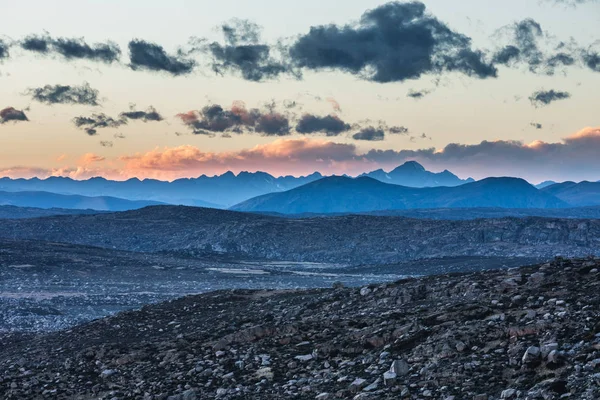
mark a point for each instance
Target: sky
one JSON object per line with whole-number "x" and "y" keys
{"x": 179, "y": 89}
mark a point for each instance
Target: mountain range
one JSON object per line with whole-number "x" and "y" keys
{"x": 577, "y": 194}
{"x": 47, "y": 200}
{"x": 413, "y": 174}
{"x": 219, "y": 191}
{"x": 354, "y": 195}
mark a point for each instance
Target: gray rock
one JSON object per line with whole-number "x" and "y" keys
{"x": 532, "y": 354}
{"x": 400, "y": 367}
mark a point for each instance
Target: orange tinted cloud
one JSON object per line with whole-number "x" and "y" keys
{"x": 334, "y": 103}
{"x": 89, "y": 158}
{"x": 573, "y": 158}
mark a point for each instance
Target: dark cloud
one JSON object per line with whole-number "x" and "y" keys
{"x": 369, "y": 133}
{"x": 152, "y": 57}
{"x": 272, "y": 124}
{"x": 536, "y": 125}
{"x": 393, "y": 42}
{"x": 3, "y": 50}
{"x": 417, "y": 94}
{"x": 149, "y": 115}
{"x": 65, "y": 94}
{"x": 212, "y": 118}
{"x": 243, "y": 53}
{"x": 525, "y": 36}
{"x": 94, "y": 122}
{"x": 36, "y": 43}
{"x": 11, "y": 114}
{"x": 398, "y": 130}
{"x": 73, "y": 48}
{"x": 79, "y": 49}
{"x": 529, "y": 45}
{"x": 238, "y": 119}
{"x": 331, "y": 125}
{"x": 545, "y": 97}
{"x": 591, "y": 58}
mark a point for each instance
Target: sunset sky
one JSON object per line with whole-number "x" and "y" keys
{"x": 182, "y": 88}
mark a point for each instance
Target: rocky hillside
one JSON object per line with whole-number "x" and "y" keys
{"x": 352, "y": 239}
{"x": 528, "y": 333}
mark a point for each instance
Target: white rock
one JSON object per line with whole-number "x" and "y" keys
{"x": 306, "y": 357}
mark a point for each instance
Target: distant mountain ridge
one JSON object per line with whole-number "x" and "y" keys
{"x": 577, "y": 194}
{"x": 347, "y": 195}
{"x": 219, "y": 191}
{"x": 413, "y": 174}
{"x": 16, "y": 212}
{"x": 47, "y": 200}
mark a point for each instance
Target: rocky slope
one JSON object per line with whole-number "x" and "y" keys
{"x": 351, "y": 239}
{"x": 528, "y": 333}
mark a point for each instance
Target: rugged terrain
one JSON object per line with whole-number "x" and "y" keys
{"x": 50, "y": 286}
{"x": 351, "y": 239}
{"x": 526, "y": 333}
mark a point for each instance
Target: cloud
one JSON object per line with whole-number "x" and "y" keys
{"x": 536, "y": 125}
{"x": 529, "y": 45}
{"x": 149, "y": 115}
{"x": 36, "y": 43}
{"x": 572, "y": 3}
{"x": 152, "y": 57}
{"x": 544, "y": 97}
{"x": 334, "y": 103}
{"x": 90, "y": 158}
{"x": 3, "y": 50}
{"x": 11, "y": 114}
{"x": 591, "y": 57}
{"x": 331, "y": 125}
{"x": 215, "y": 119}
{"x": 573, "y": 158}
{"x": 417, "y": 94}
{"x": 73, "y": 48}
{"x": 65, "y": 94}
{"x": 525, "y": 48}
{"x": 283, "y": 156}
{"x": 94, "y": 122}
{"x": 369, "y": 133}
{"x": 272, "y": 124}
{"x": 398, "y": 130}
{"x": 393, "y": 42}
{"x": 243, "y": 53}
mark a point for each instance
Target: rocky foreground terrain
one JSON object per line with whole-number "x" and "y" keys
{"x": 524, "y": 333}
{"x": 350, "y": 239}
